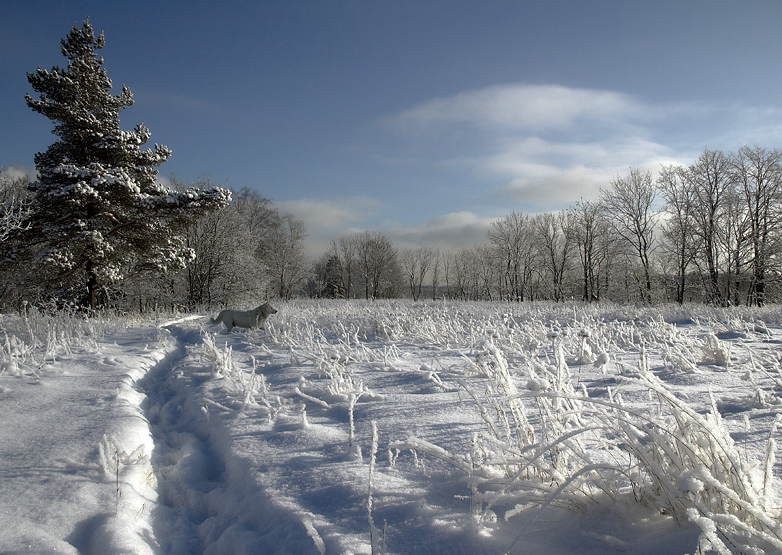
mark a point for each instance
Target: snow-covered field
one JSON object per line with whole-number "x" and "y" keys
{"x": 394, "y": 427}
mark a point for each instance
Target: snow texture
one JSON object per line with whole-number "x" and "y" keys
{"x": 174, "y": 437}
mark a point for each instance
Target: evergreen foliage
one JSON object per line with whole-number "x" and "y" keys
{"x": 334, "y": 287}
{"x": 98, "y": 214}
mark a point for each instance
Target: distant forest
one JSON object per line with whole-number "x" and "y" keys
{"x": 709, "y": 232}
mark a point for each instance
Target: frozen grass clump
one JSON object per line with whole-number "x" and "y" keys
{"x": 715, "y": 351}
{"x": 219, "y": 360}
{"x": 552, "y": 445}
{"x": 250, "y": 387}
{"x": 38, "y": 335}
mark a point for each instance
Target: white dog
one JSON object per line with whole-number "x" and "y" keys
{"x": 244, "y": 318}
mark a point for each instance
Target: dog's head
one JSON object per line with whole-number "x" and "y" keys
{"x": 267, "y": 310}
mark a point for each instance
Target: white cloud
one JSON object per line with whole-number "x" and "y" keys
{"x": 541, "y": 172}
{"x": 537, "y": 144}
{"x": 451, "y": 231}
{"x": 330, "y": 215}
{"x": 18, "y": 170}
{"x": 327, "y": 220}
{"x": 529, "y": 108}
{"x": 544, "y": 146}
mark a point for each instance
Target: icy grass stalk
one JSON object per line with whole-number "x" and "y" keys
{"x": 220, "y": 360}
{"x": 680, "y": 462}
{"x": 15, "y": 354}
{"x": 769, "y": 460}
{"x": 715, "y": 351}
{"x": 253, "y": 385}
{"x": 511, "y": 426}
{"x": 298, "y": 391}
{"x": 354, "y": 449}
{"x": 372, "y": 451}
{"x": 341, "y": 383}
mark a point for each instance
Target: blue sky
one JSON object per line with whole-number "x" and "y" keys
{"x": 422, "y": 119}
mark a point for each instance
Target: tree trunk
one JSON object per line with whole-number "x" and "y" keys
{"x": 92, "y": 285}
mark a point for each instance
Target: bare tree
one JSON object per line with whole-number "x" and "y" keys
{"x": 14, "y": 213}
{"x": 258, "y": 215}
{"x": 589, "y": 227}
{"x": 710, "y": 178}
{"x": 733, "y": 240}
{"x": 346, "y": 249}
{"x": 511, "y": 236}
{"x": 448, "y": 261}
{"x": 14, "y": 204}
{"x": 461, "y": 274}
{"x": 628, "y": 202}
{"x": 415, "y": 265}
{"x": 484, "y": 272}
{"x": 228, "y": 247}
{"x": 283, "y": 254}
{"x": 758, "y": 173}
{"x": 377, "y": 263}
{"x": 410, "y": 269}
{"x": 435, "y": 273}
{"x": 678, "y": 242}
{"x": 212, "y": 240}
{"x": 555, "y": 237}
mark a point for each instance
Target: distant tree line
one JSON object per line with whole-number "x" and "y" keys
{"x": 709, "y": 232}
{"x": 98, "y": 229}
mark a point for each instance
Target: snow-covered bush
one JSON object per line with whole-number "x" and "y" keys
{"x": 250, "y": 387}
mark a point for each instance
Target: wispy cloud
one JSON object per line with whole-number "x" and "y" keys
{"x": 18, "y": 170}
{"x": 542, "y": 172}
{"x": 326, "y": 220}
{"x": 549, "y": 145}
{"x": 447, "y": 232}
{"x": 336, "y": 214}
{"x": 529, "y": 108}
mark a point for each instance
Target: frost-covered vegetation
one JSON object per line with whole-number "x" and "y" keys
{"x": 401, "y": 427}
{"x": 38, "y": 336}
{"x": 554, "y": 435}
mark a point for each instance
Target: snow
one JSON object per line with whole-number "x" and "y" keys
{"x": 345, "y": 419}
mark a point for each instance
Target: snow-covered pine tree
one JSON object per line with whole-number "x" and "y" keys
{"x": 98, "y": 209}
